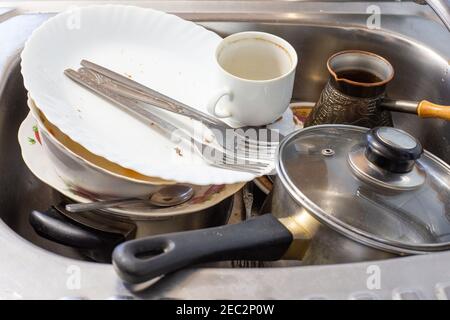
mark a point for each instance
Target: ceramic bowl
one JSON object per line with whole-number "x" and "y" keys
{"x": 87, "y": 172}
{"x": 40, "y": 164}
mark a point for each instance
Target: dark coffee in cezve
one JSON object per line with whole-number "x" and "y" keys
{"x": 361, "y": 76}
{"x": 354, "y": 91}
{"x": 353, "y": 103}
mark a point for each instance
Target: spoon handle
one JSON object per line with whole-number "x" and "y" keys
{"x": 81, "y": 207}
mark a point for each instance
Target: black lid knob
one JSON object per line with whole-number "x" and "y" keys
{"x": 392, "y": 149}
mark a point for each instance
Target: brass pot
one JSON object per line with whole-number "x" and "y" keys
{"x": 355, "y": 94}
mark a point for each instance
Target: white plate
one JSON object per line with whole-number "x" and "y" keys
{"x": 41, "y": 166}
{"x": 159, "y": 50}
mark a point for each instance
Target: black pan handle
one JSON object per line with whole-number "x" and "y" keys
{"x": 52, "y": 225}
{"x": 262, "y": 238}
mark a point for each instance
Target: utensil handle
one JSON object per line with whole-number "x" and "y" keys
{"x": 427, "y": 109}
{"x": 262, "y": 238}
{"x": 52, "y": 225}
{"x": 132, "y": 89}
{"x": 81, "y": 207}
{"x": 101, "y": 85}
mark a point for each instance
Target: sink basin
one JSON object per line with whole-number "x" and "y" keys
{"x": 420, "y": 58}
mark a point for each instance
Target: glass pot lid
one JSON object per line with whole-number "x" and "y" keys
{"x": 377, "y": 186}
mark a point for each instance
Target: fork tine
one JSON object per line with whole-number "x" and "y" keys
{"x": 256, "y": 153}
{"x": 236, "y": 155}
{"x": 257, "y": 145}
{"x": 254, "y": 149}
{"x": 260, "y": 142}
{"x": 239, "y": 168}
{"x": 257, "y": 157}
{"x": 250, "y": 163}
{"x": 223, "y": 159}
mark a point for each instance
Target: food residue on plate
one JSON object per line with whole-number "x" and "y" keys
{"x": 208, "y": 140}
{"x": 178, "y": 151}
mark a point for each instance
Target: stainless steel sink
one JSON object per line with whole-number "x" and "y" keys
{"x": 411, "y": 38}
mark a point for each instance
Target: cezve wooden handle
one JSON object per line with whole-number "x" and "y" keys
{"x": 427, "y": 109}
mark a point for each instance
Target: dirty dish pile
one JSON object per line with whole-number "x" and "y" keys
{"x": 88, "y": 149}
{"x": 93, "y": 144}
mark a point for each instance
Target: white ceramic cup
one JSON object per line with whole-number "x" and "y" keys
{"x": 255, "y": 74}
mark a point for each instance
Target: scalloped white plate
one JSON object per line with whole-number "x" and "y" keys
{"x": 160, "y": 50}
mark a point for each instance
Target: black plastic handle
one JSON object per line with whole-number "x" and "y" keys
{"x": 392, "y": 149}
{"x": 262, "y": 238}
{"x": 52, "y": 225}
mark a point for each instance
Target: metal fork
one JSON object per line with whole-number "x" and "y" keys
{"x": 215, "y": 155}
{"x": 254, "y": 147}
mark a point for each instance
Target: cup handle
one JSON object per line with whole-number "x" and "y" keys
{"x": 212, "y": 103}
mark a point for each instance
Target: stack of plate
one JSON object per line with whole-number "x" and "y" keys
{"x": 96, "y": 149}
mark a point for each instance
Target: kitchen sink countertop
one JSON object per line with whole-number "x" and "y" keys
{"x": 28, "y": 271}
